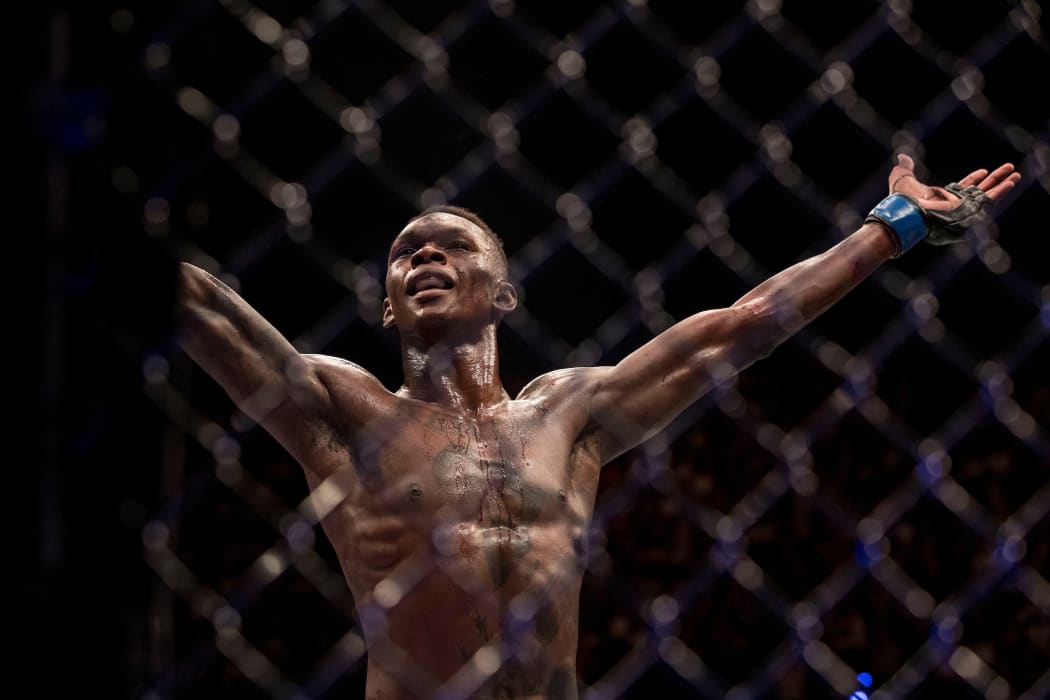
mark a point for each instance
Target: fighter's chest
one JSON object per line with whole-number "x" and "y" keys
{"x": 500, "y": 470}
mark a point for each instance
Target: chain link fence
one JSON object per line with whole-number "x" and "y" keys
{"x": 865, "y": 512}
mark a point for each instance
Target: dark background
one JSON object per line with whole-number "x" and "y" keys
{"x": 887, "y": 468}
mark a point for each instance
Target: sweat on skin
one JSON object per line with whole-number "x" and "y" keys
{"x": 460, "y": 514}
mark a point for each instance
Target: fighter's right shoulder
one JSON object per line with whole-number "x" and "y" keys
{"x": 337, "y": 372}
{"x": 342, "y": 386}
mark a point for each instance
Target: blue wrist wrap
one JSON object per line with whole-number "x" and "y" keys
{"x": 904, "y": 217}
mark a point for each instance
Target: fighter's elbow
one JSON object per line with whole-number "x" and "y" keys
{"x": 195, "y": 286}
{"x": 191, "y": 288}
{"x": 756, "y": 329}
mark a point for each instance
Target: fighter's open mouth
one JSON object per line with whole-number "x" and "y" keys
{"x": 429, "y": 280}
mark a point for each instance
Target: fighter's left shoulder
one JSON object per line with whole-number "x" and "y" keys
{"x": 570, "y": 380}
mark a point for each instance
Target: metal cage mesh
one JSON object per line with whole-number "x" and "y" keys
{"x": 865, "y": 511}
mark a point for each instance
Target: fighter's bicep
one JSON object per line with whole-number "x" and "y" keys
{"x": 629, "y": 410}
{"x": 646, "y": 390}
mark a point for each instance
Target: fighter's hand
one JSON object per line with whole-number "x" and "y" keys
{"x": 994, "y": 184}
{"x": 915, "y": 211}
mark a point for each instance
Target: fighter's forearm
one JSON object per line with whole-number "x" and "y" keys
{"x": 791, "y": 299}
{"x": 206, "y": 310}
{"x": 225, "y": 336}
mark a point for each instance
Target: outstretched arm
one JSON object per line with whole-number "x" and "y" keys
{"x": 647, "y": 389}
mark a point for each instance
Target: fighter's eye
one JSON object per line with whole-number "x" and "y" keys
{"x": 459, "y": 245}
{"x": 403, "y": 251}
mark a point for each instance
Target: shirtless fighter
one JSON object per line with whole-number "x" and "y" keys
{"x": 459, "y": 514}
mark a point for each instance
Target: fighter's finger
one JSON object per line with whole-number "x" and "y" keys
{"x": 996, "y": 176}
{"x": 974, "y": 177}
{"x": 905, "y": 167}
{"x": 1003, "y": 187}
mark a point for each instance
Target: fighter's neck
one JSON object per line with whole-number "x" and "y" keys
{"x": 463, "y": 376}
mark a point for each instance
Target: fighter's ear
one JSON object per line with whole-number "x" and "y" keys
{"x": 388, "y": 314}
{"x": 506, "y": 297}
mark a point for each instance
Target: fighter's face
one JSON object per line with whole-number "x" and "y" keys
{"x": 443, "y": 268}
